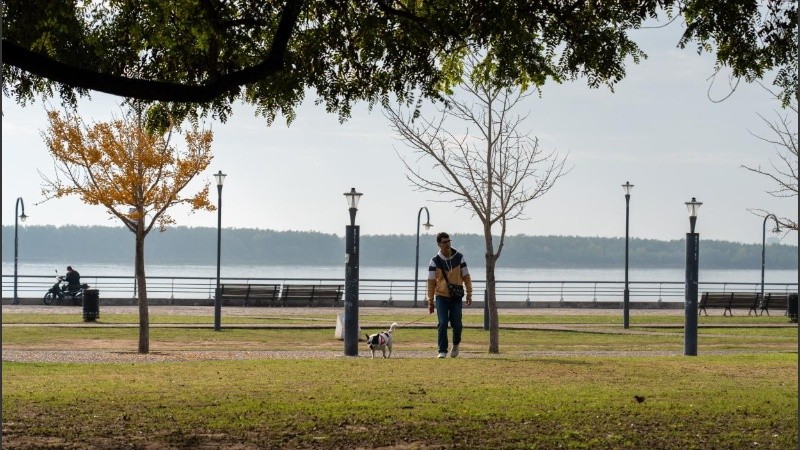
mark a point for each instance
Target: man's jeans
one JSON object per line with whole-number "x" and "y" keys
{"x": 448, "y": 311}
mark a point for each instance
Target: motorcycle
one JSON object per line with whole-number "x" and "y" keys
{"x": 60, "y": 293}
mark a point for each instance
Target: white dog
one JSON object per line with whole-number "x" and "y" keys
{"x": 381, "y": 341}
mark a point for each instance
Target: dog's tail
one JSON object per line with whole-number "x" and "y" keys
{"x": 391, "y": 328}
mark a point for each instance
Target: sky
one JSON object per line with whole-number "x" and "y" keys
{"x": 659, "y": 130}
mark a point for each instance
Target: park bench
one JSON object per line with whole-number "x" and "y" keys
{"x": 730, "y": 301}
{"x": 249, "y": 294}
{"x": 311, "y": 295}
{"x": 774, "y": 300}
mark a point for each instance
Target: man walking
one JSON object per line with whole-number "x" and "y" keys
{"x": 447, "y": 278}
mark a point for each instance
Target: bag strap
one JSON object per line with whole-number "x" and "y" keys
{"x": 440, "y": 264}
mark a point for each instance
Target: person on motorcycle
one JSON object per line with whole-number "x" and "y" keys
{"x": 73, "y": 279}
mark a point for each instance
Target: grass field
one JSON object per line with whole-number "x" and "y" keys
{"x": 560, "y": 381}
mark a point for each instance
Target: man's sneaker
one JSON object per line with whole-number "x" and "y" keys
{"x": 442, "y": 355}
{"x": 454, "y": 351}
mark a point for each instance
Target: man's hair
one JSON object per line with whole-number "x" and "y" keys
{"x": 441, "y": 236}
{"x": 69, "y": 267}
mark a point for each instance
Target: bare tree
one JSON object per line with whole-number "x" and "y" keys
{"x": 783, "y": 170}
{"x": 494, "y": 172}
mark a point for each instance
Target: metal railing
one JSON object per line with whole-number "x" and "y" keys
{"x": 394, "y": 291}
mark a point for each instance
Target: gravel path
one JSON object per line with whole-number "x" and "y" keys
{"x": 402, "y": 314}
{"x": 102, "y": 356}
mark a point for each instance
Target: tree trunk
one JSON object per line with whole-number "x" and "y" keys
{"x": 144, "y": 318}
{"x": 491, "y": 297}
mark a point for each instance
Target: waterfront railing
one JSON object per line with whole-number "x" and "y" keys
{"x": 397, "y": 291}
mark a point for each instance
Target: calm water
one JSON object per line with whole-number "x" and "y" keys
{"x": 406, "y": 273}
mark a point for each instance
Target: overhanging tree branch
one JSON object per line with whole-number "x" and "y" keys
{"x": 150, "y": 90}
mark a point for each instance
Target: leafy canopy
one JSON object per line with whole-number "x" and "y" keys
{"x": 200, "y": 57}
{"x": 133, "y": 172}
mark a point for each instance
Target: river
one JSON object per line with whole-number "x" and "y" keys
{"x": 367, "y": 272}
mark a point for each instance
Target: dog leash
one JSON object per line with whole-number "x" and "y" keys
{"x": 413, "y": 321}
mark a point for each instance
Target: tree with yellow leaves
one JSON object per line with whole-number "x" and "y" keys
{"x": 134, "y": 173}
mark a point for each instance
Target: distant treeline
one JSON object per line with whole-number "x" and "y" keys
{"x": 184, "y": 245}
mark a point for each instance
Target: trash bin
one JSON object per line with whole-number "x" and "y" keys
{"x": 791, "y": 309}
{"x": 91, "y": 305}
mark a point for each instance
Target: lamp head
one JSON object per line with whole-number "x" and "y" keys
{"x": 627, "y": 187}
{"x": 352, "y": 198}
{"x": 693, "y": 206}
{"x": 19, "y": 203}
{"x": 220, "y": 178}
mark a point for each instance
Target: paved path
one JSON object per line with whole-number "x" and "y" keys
{"x": 295, "y": 311}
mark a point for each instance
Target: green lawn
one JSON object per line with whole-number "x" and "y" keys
{"x": 534, "y": 394}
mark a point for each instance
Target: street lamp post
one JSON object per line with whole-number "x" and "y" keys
{"x": 764, "y": 246}
{"x": 692, "y": 269}
{"x": 217, "y": 298}
{"x": 427, "y": 226}
{"x": 351, "y": 277}
{"x": 22, "y": 217}
{"x": 626, "y": 296}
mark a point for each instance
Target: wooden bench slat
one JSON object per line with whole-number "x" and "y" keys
{"x": 286, "y": 295}
{"x": 250, "y": 294}
{"x": 311, "y": 295}
{"x": 773, "y": 300}
{"x": 729, "y": 301}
